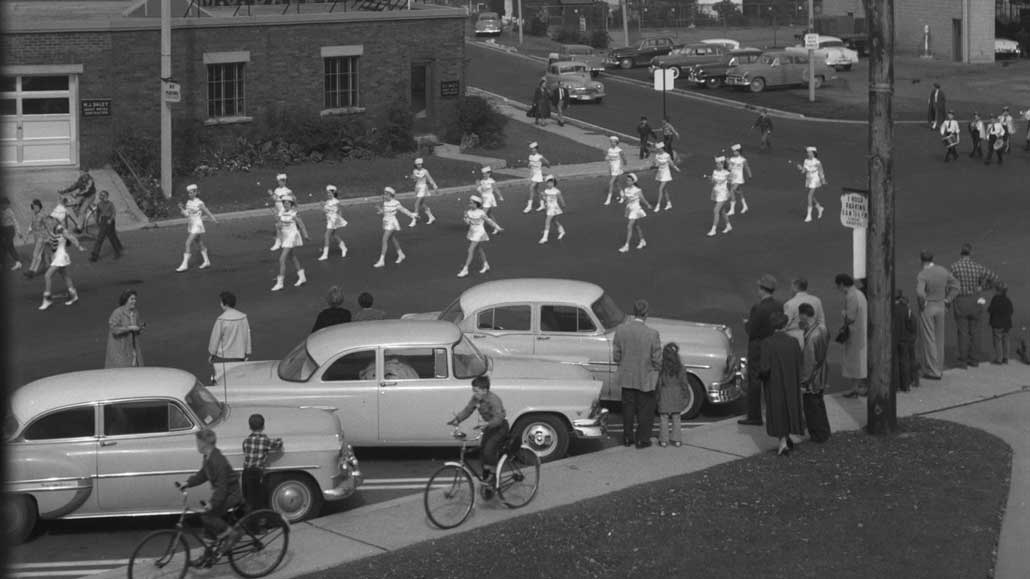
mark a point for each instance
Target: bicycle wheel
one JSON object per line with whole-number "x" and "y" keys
{"x": 264, "y": 538}
{"x": 161, "y": 554}
{"x": 450, "y": 496}
{"x": 518, "y": 477}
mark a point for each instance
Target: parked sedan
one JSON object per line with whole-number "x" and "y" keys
{"x": 593, "y": 59}
{"x": 1006, "y": 48}
{"x": 778, "y": 68}
{"x": 832, "y": 51}
{"x": 111, "y": 443}
{"x": 488, "y": 24}
{"x": 574, "y": 321}
{"x": 397, "y": 382}
{"x": 714, "y": 75}
{"x": 681, "y": 59}
{"x": 576, "y": 77}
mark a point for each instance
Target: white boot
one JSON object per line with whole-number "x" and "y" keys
{"x": 278, "y": 283}
{"x": 543, "y": 238}
{"x": 400, "y": 256}
{"x": 381, "y": 262}
{"x": 728, "y": 228}
{"x": 431, "y": 217}
{"x": 733, "y": 208}
{"x": 658, "y": 206}
{"x": 711, "y": 232}
{"x": 73, "y": 296}
{"x": 464, "y": 272}
{"x": 485, "y": 268}
{"x": 561, "y": 232}
{"x": 668, "y": 205}
{"x": 207, "y": 262}
{"x": 46, "y": 302}
{"x": 301, "y": 278}
{"x": 185, "y": 263}
{"x": 16, "y": 266}
{"x": 808, "y": 216}
{"x": 343, "y": 249}
{"x": 624, "y": 248}
{"x": 275, "y": 246}
{"x": 819, "y": 210}
{"x": 642, "y": 244}
{"x": 413, "y": 221}
{"x": 744, "y": 207}
{"x": 325, "y": 254}
{"x": 529, "y": 206}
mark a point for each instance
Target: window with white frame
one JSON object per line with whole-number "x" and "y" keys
{"x": 226, "y": 90}
{"x": 341, "y": 76}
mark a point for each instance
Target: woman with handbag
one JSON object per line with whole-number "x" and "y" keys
{"x": 541, "y": 104}
{"x": 853, "y": 336}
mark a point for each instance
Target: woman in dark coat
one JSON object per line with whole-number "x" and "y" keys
{"x": 541, "y": 103}
{"x": 780, "y": 370}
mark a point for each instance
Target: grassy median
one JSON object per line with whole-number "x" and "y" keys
{"x": 925, "y": 503}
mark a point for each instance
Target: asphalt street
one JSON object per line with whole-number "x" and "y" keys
{"x": 681, "y": 272}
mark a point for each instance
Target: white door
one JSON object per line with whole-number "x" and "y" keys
{"x": 39, "y": 120}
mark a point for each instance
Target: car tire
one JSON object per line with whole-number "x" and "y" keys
{"x": 598, "y": 101}
{"x": 626, "y": 63}
{"x": 547, "y": 436}
{"x": 678, "y": 72}
{"x": 819, "y": 80}
{"x": 846, "y": 68}
{"x": 713, "y": 82}
{"x": 697, "y": 398}
{"x": 20, "y": 516}
{"x": 294, "y": 496}
{"x": 757, "y": 84}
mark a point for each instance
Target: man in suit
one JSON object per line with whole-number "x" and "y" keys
{"x": 106, "y": 213}
{"x": 935, "y": 288}
{"x": 937, "y": 107}
{"x": 637, "y": 350}
{"x": 758, "y": 327}
{"x": 560, "y": 97}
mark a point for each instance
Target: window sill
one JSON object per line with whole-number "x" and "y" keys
{"x": 227, "y": 121}
{"x": 343, "y": 111}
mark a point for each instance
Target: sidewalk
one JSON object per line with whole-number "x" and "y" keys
{"x": 336, "y": 539}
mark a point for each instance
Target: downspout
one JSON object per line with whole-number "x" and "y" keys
{"x": 965, "y": 31}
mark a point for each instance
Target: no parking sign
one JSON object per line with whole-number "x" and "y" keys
{"x": 854, "y": 208}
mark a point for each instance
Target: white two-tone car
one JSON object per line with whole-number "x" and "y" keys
{"x": 112, "y": 443}
{"x": 397, "y": 382}
{"x": 832, "y": 51}
{"x": 574, "y": 322}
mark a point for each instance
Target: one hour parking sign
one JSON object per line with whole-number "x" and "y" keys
{"x": 854, "y": 208}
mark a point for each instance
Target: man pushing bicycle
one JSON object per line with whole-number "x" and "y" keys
{"x": 494, "y": 426}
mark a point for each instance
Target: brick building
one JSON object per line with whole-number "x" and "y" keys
{"x": 960, "y": 30}
{"x": 76, "y": 76}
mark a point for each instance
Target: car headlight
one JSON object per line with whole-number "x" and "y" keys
{"x": 597, "y": 86}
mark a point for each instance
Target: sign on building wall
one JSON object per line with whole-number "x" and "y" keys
{"x": 450, "y": 88}
{"x": 173, "y": 92}
{"x": 96, "y": 107}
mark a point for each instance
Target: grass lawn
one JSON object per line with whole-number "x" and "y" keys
{"x": 925, "y": 503}
{"x": 228, "y": 191}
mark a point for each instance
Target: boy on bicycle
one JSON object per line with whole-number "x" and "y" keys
{"x": 225, "y": 488}
{"x": 494, "y": 426}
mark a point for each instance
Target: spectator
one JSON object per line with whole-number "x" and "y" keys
{"x": 854, "y": 362}
{"x": 9, "y": 230}
{"x": 106, "y": 227}
{"x": 972, "y": 278}
{"x": 85, "y": 191}
{"x": 335, "y": 313}
{"x": 123, "y": 346}
{"x": 38, "y": 229}
{"x": 225, "y": 488}
{"x": 646, "y": 134}
{"x": 814, "y": 373}
{"x": 541, "y": 110}
{"x": 936, "y": 287}
{"x": 230, "y": 336}
{"x": 780, "y": 369}
{"x": 758, "y": 328}
{"x": 790, "y": 307}
{"x": 904, "y": 343}
{"x": 637, "y": 350}
{"x": 765, "y": 126}
{"x": 560, "y": 99}
{"x": 936, "y": 107}
{"x": 673, "y": 393}
{"x": 670, "y": 136}
{"x": 1000, "y": 312}
{"x": 256, "y": 448}
{"x": 367, "y": 312}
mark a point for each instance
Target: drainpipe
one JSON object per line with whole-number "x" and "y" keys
{"x": 965, "y": 31}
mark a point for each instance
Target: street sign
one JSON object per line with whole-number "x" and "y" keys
{"x": 665, "y": 78}
{"x": 173, "y": 92}
{"x": 812, "y": 41}
{"x": 854, "y": 208}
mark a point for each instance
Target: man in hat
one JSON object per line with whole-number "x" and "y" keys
{"x": 758, "y": 326}
{"x": 765, "y": 126}
{"x": 616, "y": 159}
{"x": 937, "y": 105}
{"x": 949, "y": 134}
{"x": 645, "y": 133}
{"x": 936, "y": 287}
{"x": 995, "y": 140}
{"x": 637, "y": 350}
{"x": 976, "y": 135}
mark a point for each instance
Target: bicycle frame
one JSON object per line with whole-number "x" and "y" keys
{"x": 463, "y": 462}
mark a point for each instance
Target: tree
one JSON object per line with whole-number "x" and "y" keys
{"x": 726, "y": 10}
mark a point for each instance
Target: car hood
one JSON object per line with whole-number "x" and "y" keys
{"x": 575, "y": 78}
{"x": 249, "y": 373}
{"x": 696, "y": 337}
{"x": 526, "y": 368}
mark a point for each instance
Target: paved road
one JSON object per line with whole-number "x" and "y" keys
{"x": 683, "y": 273}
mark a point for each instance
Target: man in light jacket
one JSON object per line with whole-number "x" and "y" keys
{"x": 638, "y": 353}
{"x": 790, "y": 307}
{"x": 230, "y": 336}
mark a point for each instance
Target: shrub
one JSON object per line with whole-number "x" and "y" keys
{"x": 598, "y": 38}
{"x": 536, "y": 27}
{"x": 476, "y": 116}
{"x": 138, "y": 163}
{"x": 397, "y": 134}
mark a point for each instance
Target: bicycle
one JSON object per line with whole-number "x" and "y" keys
{"x": 263, "y": 536}
{"x": 450, "y": 493}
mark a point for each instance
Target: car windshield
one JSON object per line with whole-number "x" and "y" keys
{"x": 453, "y": 313}
{"x": 204, "y": 404}
{"x": 298, "y": 365}
{"x": 468, "y": 361}
{"x": 572, "y": 69}
{"x": 607, "y": 311}
{"x": 830, "y": 43}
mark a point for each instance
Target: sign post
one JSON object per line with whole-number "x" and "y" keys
{"x": 854, "y": 214}
{"x": 811, "y": 50}
{"x": 664, "y": 81}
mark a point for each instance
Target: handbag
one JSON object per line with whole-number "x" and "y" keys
{"x": 843, "y": 334}
{"x": 531, "y": 112}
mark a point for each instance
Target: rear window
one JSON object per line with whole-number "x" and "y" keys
{"x": 78, "y": 422}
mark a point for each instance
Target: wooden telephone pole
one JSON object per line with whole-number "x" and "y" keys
{"x": 882, "y": 416}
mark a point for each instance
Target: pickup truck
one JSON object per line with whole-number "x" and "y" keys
{"x": 641, "y": 53}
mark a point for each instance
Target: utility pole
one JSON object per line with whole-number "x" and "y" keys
{"x": 625, "y": 22}
{"x": 521, "y": 22}
{"x": 882, "y": 416}
{"x": 166, "y": 112}
{"x": 811, "y": 52}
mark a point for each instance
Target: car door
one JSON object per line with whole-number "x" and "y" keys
{"x": 782, "y": 69}
{"x": 571, "y": 332}
{"x": 648, "y": 50}
{"x": 350, "y": 383}
{"x": 504, "y": 330}
{"x": 418, "y": 395}
{"x": 146, "y": 445}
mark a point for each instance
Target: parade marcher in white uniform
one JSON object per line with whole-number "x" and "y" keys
{"x": 58, "y": 237}
{"x": 950, "y": 135}
{"x": 333, "y": 222}
{"x": 278, "y": 194}
{"x": 391, "y": 226}
{"x": 537, "y": 162}
{"x": 663, "y": 162}
{"x": 720, "y": 195}
{"x": 634, "y": 197}
{"x": 291, "y": 229}
{"x": 616, "y": 160}
{"x": 486, "y": 189}
{"x": 194, "y": 211}
{"x": 423, "y": 181}
{"x": 477, "y": 219}
{"x": 995, "y": 140}
{"x": 812, "y": 169}
{"x": 1010, "y": 127}
{"x": 555, "y": 204}
{"x": 739, "y": 172}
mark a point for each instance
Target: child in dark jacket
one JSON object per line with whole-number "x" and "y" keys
{"x": 1000, "y": 311}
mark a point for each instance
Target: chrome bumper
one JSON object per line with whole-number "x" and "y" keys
{"x": 586, "y": 96}
{"x": 596, "y": 427}
{"x": 731, "y": 387}
{"x": 737, "y": 81}
{"x": 344, "y": 485}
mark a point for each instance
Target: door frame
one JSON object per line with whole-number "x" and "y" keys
{"x": 73, "y": 71}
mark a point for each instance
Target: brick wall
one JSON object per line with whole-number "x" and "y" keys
{"x": 284, "y": 74}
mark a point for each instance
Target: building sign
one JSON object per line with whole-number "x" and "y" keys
{"x": 173, "y": 92}
{"x": 96, "y": 107}
{"x": 450, "y": 88}
{"x": 854, "y": 208}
